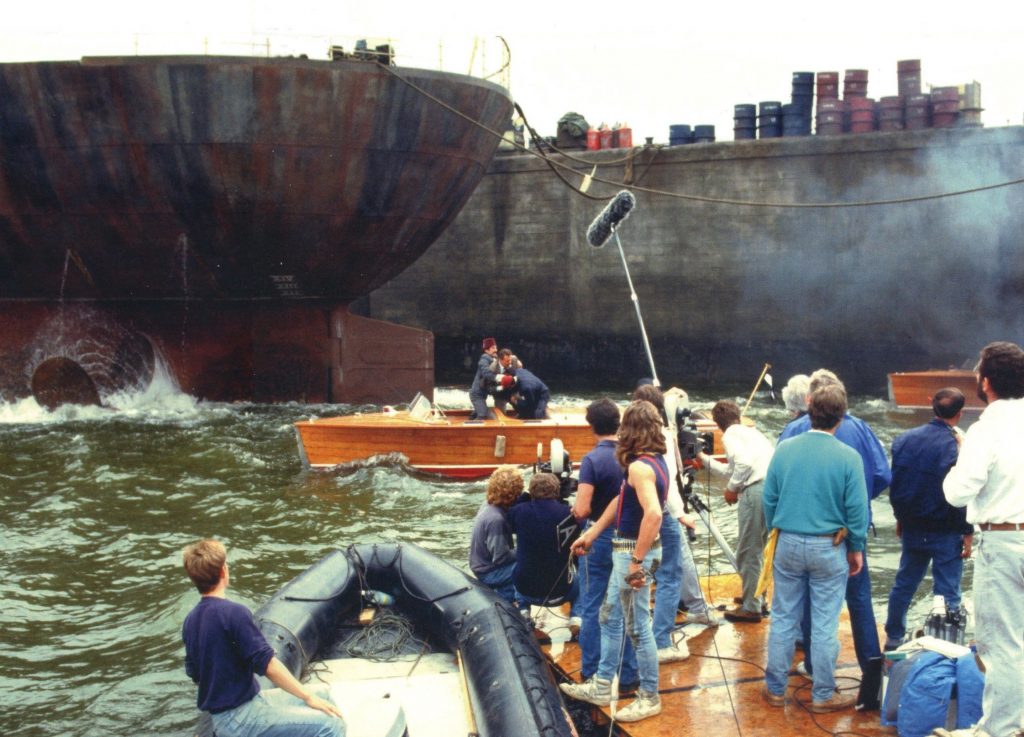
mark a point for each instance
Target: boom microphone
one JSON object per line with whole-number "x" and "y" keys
{"x": 614, "y": 213}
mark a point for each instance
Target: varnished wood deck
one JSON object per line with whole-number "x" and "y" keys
{"x": 914, "y": 389}
{"x": 716, "y": 691}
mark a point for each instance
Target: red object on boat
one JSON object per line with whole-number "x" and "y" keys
{"x": 606, "y": 138}
{"x": 593, "y": 139}
{"x": 625, "y": 137}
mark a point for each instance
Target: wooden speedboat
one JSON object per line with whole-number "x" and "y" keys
{"x": 439, "y": 654}
{"x": 450, "y": 443}
{"x": 914, "y": 389}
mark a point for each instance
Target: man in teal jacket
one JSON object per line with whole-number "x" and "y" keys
{"x": 814, "y": 495}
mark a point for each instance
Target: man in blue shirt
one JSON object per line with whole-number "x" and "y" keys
{"x": 813, "y": 494}
{"x": 600, "y": 481}
{"x": 855, "y": 433}
{"x": 545, "y": 530}
{"x": 930, "y": 529}
{"x": 224, "y": 649}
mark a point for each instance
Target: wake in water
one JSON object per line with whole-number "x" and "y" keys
{"x": 162, "y": 397}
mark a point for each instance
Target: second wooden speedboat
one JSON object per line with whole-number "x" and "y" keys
{"x": 914, "y": 389}
{"x": 450, "y": 443}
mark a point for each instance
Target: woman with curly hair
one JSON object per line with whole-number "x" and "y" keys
{"x": 492, "y": 555}
{"x": 636, "y": 553}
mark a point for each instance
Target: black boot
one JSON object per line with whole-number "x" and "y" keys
{"x": 870, "y": 686}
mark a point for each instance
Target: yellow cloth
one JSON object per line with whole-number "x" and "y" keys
{"x": 764, "y": 581}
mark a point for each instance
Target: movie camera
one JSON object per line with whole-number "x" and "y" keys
{"x": 692, "y": 442}
{"x": 560, "y": 465}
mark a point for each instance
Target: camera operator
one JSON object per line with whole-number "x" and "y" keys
{"x": 748, "y": 453}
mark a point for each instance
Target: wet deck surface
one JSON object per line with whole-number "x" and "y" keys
{"x": 716, "y": 691}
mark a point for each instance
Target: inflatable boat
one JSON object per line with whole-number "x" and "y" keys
{"x": 410, "y": 645}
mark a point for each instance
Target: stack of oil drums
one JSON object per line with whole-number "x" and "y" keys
{"x": 703, "y": 134}
{"x": 769, "y": 119}
{"x": 860, "y": 108}
{"x": 796, "y": 115}
{"x": 917, "y": 109}
{"x": 945, "y": 106}
{"x": 744, "y": 122}
{"x": 890, "y": 113}
{"x": 831, "y": 110}
{"x": 679, "y": 135}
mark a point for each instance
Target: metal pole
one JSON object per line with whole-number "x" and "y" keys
{"x": 639, "y": 317}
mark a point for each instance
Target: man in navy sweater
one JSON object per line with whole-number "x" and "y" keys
{"x": 930, "y": 529}
{"x": 224, "y": 649}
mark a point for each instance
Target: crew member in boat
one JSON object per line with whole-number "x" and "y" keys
{"x": 224, "y": 649}
{"x": 492, "y": 553}
{"x": 930, "y": 529}
{"x": 988, "y": 479}
{"x": 484, "y": 379}
{"x": 636, "y": 553}
{"x": 531, "y": 395}
{"x": 748, "y": 453}
{"x": 545, "y": 530}
{"x": 814, "y": 496}
{"x": 855, "y": 433}
{"x": 505, "y": 384}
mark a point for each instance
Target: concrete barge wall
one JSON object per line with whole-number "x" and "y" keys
{"x": 724, "y": 288}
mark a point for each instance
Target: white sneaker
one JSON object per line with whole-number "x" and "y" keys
{"x": 596, "y": 691}
{"x": 643, "y": 706}
{"x": 707, "y": 617}
{"x": 801, "y": 670}
{"x": 673, "y": 653}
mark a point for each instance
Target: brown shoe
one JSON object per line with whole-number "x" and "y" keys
{"x": 739, "y": 614}
{"x": 836, "y": 703}
{"x": 771, "y": 698}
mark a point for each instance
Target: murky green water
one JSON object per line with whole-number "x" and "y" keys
{"x": 96, "y": 506}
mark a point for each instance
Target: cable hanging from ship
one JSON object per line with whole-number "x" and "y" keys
{"x": 678, "y": 195}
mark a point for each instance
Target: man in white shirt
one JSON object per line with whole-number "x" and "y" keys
{"x": 748, "y": 453}
{"x": 988, "y": 479}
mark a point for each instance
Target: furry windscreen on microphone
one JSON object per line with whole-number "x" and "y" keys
{"x": 608, "y": 220}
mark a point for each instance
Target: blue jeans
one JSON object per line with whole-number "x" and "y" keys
{"x": 807, "y": 568}
{"x": 669, "y": 578}
{"x": 862, "y": 619}
{"x": 614, "y": 613}
{"x": 502, "y": 580}
{"x": 276, "y": 713}
{"x": 595, "y": 569}
{"x": 942, "y": 550}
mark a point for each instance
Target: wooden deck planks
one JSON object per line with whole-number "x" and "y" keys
{"x": 715, "y": 692}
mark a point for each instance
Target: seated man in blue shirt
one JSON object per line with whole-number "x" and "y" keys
{"x": 532, "y": 395}
{"x": 545, "y": 530}
{"x": 224, "y": 649}
{"x": 492, "y": 553}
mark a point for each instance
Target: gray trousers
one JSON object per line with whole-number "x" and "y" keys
{"x": 690, "y": 593}
{"x": 750, "y": 546}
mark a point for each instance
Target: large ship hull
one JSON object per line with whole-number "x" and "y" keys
{"x": 228, "y": 210}
{"x": 724, "y": 288}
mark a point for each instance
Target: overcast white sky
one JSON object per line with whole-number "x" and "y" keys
{"x": 649, "y": 64}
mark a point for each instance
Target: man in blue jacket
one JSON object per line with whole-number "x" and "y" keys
{"x": 855, "y": 433}
{"x": 930, "y": 529}
{"x": 532, "y": 395}
{"x": 483, "y": 382}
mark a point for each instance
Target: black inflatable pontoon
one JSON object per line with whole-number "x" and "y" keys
{"x": 510, "y": 686}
